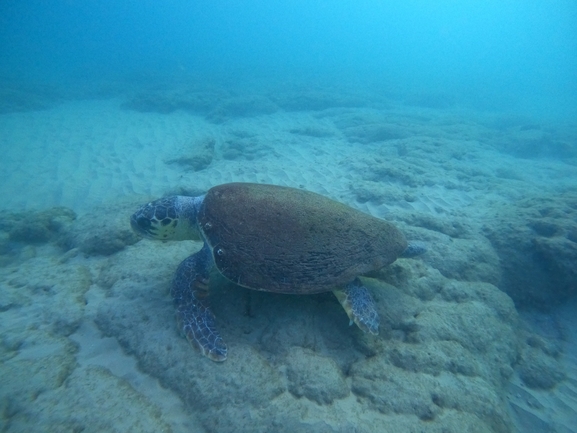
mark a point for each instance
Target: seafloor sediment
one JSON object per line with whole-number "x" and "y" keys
{"x": 89, "y": 341}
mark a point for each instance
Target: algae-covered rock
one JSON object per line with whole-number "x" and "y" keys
{"x": 464, "y": 256}
{"x": 539, "y": 368}
{"x": 36, "y": 226}
{"x": 392, "y": 390}
{"x": 371, "y": 133}
{"x": 40, "y": 366}
{"x": 89, "y": 400}
{"x": 313, "y": 131}
{"x": 530, "y": 140}
{"x": 20, "y": 97}
{"x": 241, "y": 146}
{"x": 315, "y": 100}
{"x": 43, "y": 302}
{"x": 248, "y": 380}
{"x": 136, "y": 308}
{"x": 241, "y": 106}
{"x": 51, "y": 291}
{"x": 444, "y": 355}
{"x": 198, "y": 155}
{"x": 449, "y": 347}
{"x": 315, "y": 377}
{"x": 533, "y": 241}
{"x": 102, "y": 231}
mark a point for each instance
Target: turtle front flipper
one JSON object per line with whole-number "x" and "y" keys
{"x": 359, "y": 305}
{"x": 193, "y": 315}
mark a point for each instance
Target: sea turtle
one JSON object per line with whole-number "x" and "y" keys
{"x": 274, "y": 239}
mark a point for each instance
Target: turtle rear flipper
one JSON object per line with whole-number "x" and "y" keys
{"x": 359, "y": 305}
{"x": 193, "y": 315}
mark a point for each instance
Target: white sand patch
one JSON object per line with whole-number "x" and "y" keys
{"x": 83, "y": 153}
{"x": 435, "y": 200}
{"x": 86, "y": 152}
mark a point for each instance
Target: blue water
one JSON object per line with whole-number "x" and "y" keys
{"x": 515, "y": 55}
{"x": 454, "y": 120}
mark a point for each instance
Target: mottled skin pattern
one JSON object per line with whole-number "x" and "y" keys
{"x": 359, "y": 305}
{"x": 190, "y": 293}
{"x": 269, "y": 238}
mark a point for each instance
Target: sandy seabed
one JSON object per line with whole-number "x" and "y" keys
{"x": 89, "y": 341}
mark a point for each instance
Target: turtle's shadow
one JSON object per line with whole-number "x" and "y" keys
{"x": 275, "y": 323}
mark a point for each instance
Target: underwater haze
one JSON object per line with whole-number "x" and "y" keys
{"x": 438, "y": 295}
{"x": 512, "y": 55}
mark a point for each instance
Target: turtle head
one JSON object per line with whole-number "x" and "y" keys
{"x": 169, "y": 218}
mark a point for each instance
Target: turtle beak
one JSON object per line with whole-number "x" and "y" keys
{"x": 142, "y": 224}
